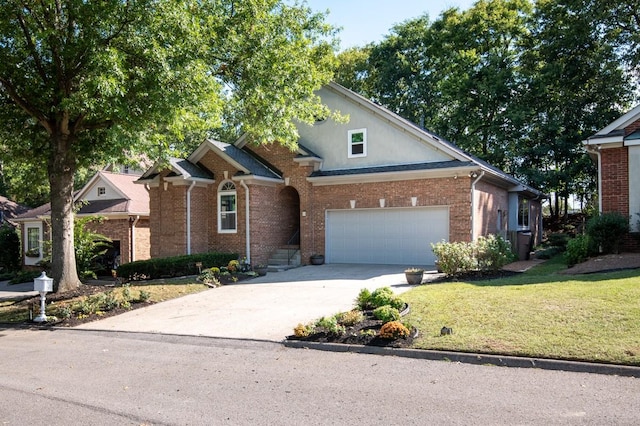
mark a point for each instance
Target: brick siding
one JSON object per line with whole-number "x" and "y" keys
{"x": 615, "y": 180}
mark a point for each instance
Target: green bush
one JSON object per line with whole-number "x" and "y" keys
{"x": 606, "y": 231}
{"x": 363, "y": 301}
{"x": 488, "y": 253}
{"x": 9, "y": 248}
{"x": 577, "y": 250}
{"x": 172, "y": 266}
{"x": 493, "y": 252}
{"x": 454, "y": 258}
{"x": 386, "y": 313}
{"x": 384, "y": 296}
{"x": 330, "y": 324}
{"x": 558, "y": 240}
{"x": 24, "y": 277}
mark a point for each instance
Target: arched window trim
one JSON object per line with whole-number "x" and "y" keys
{"x": 227, "y": 208}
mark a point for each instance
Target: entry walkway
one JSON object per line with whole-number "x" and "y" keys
{"x": 264, "y": 308}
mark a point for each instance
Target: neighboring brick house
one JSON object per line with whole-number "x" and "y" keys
{"x": 377, "y": 189}
{"x": 112, "y": 195}
{"x": 616, "y": 150}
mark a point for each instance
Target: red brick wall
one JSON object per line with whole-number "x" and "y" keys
{"x": 168, "y": 219}
{"x": 490, "y": 200}
{"x": 632, "y": 127}
{"x": 142, "y": 240}
{"x": 615, "y": 180}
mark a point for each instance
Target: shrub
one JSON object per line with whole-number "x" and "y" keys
{"x": 488, "y": 253}
{"x": 493, "y": 252}
{"x": 233, "y": 266}
{"x": 386, "y": 313}
{"x": 9, "y": 248}
{"x": 558, "y": 240}
{"x": 350, "y": 318}
{"x": 210, "y": 277}
{"x": 454, "y": 258}
{"x": 24, "y": 277}
{"x": 144, "y": 296}
{"x": 330, "y": 324}
{"x": 577, "y": 250}
{"x": 384, "y": 296}
{"x": 363, "y": 301}
{"x": 606, "y": 231}
{"x": 394, "y": 330}
{"x": 303, "y": 330}
{"x": 172, "y": 266}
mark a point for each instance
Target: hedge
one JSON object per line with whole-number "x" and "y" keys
{"x": 175, "y": 266}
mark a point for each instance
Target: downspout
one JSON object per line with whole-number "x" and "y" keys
{"x": 132, "y": 256}
{"x": 599, "y": 154}
{"x": 246, "y": 219}
{"x": 189, "y": 216}
{"x": 473, "y": 205}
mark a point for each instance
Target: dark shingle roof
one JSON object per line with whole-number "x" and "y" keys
{"x": 250, "y": 163}
{"x": 188, "y": 169}
{"x": 394, "y": 168}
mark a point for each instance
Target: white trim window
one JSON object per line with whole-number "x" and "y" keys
{"x": 357, "y": 143}
{"x": 523, "y": 213}
{"x": 227, "y": 208}
{"x": 102, "y": 191}
{"x": 32, "y": 243}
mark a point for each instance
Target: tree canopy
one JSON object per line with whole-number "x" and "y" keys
{"x": 515, "y": 82}
{"x": 87, "y": 82}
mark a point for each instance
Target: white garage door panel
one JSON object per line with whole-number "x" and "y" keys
{"x": 385, "y": 236}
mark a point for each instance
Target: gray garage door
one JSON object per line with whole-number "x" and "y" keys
{"x": 385, "y": 236}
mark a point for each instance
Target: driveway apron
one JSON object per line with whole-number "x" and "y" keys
{"x": 264, "y": 308}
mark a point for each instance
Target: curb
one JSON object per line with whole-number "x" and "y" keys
{"x": 474, "y": 358}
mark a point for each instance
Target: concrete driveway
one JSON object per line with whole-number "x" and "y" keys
{"x": 264, "y": 308}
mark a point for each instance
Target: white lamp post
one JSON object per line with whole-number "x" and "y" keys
{"x": 42, "y": 285}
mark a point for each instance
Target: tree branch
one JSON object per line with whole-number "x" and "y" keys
{"x": 25, "y": 106}
{"x": 32, "y": 48}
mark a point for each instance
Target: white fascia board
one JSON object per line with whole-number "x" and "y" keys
{"x": 622, "y": 122}
{"x": 605, "y": 141}
{"x": 391, "y": 176}
{"x": 258, "y": 180}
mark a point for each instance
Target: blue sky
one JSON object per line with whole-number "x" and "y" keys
{"x": 365, "y": 21}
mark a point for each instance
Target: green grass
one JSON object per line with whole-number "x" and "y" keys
{"x": 540, "y": 313}
{"x": 159, "y": 291}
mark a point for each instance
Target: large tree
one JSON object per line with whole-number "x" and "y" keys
{"x": 85, "y": 82}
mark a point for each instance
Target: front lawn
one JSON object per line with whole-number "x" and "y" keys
{"x": 539, "y": 313}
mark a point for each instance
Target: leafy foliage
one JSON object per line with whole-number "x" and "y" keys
{"x": 172, "y": 266}
{"x": 606, "y": 231}
{"x": 394, "y": 330}
{"x": 488, "y": 253}
{"x": 578, "y": 250}
{"x": 386, "y": 313}
{"x": 95, "y": 82}
{"x": 9, "y": 248}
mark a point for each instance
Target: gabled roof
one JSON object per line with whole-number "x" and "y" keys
{"x": 614, "y": 133}
{"x": 249, "y": 165}
{"x": 132, "y": 199}
{"x": 10, "y": 209}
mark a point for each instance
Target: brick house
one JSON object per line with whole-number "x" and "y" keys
{"x": 377, "y": 189}
{"x": 111, "y": 194}
{"x": 616, "y": 150}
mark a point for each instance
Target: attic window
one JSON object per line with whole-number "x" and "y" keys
{"x": 357, "y": 141}
{"x": 101, "y": 191}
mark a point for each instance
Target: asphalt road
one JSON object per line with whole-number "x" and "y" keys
{"x": 64, "y": 377}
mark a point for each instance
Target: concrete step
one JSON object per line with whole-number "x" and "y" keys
{"x": 284, "y": 257}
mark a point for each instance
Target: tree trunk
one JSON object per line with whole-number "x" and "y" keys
{"x": 61, "y": 170}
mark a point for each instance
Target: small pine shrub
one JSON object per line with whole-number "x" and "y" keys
{"x": 350, "y": 318}
{"x": 606, "y": 231}
{"x": 386, "y": 313}
{"x": 363, "y": 301}
{"x": 558, "y": 240}
{"x": 126, "y": 293}
{"x": 394, "y": 330}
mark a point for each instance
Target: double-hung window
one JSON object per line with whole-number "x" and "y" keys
{"x": 227, "y": 208}
{"x": 523, "y": 213}
{"x": 357, "y": 140}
